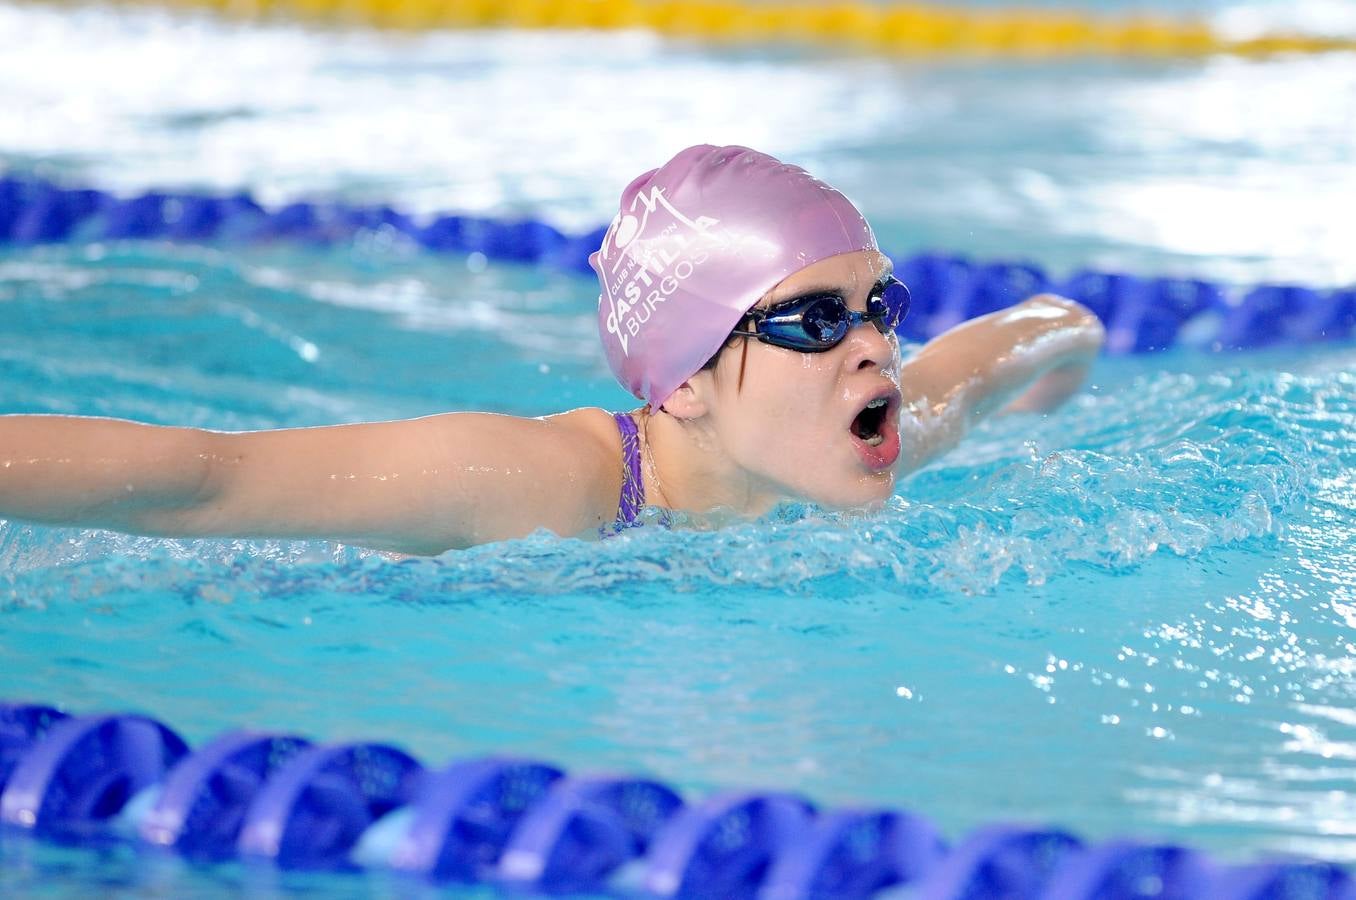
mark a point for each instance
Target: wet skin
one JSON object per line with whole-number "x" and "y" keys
{"x": 784, "y": 430}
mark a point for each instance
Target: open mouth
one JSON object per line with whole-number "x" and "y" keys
{"x": 869, "y": 425}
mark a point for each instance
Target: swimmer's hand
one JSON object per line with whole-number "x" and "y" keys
{"x": 1028, "y": 358}
{"x": 419, "y": 486}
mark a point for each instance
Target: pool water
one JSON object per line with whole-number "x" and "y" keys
{"x": 1134, "y": 617}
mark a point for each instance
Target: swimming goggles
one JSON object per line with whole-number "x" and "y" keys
{"x": 819, "y": 322}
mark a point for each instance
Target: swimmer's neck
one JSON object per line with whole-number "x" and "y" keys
{"x": 695, "y": 474}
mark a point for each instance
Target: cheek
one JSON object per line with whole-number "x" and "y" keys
{"x": 774, "y": 370}
{"x": 790, "y": 398}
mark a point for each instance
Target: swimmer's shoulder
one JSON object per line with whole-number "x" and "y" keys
{"x": 587, "y": 433}
{"x": 515, "y": 474}
{"x": 590, "y": 435}
{"x": 592, "y": 426}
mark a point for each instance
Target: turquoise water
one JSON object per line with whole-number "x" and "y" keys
{"x": 1133, "y": 617}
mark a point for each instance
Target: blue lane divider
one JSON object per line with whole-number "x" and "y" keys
{"x": 20, "y": 728}
{"x": 1142, "y": 314}
{"x": 465, "y": 815}
{"x": 278, "y": 800}
{"x": 75, "y": 779}
{"x": 1000, "y": 861}
{"x": 723, "y": 846}
{"x": 584, "y": 829}
{"x": 854, "y": 853}
{"x": 1124, "y": 869}
{"x": 202, "y": 803}
{"x": 312, "y": 811}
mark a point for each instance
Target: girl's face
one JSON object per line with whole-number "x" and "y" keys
{"x": 816, "y": 426}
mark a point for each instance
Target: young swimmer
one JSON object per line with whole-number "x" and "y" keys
{"x": 743, "y": 300}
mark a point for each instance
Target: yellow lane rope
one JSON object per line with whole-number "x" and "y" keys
{"x": 905, "y": 30}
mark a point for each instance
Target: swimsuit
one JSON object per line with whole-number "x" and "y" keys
{"x": 633, "y": 486}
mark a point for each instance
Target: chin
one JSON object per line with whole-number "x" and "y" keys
{"x": 868, "y": 492}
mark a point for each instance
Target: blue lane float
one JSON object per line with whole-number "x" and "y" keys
{"x": 465, "y": 815}
{"x": 73, "y": 780}
{"x": 20, "y": 728}
{"x": 311, "y": 812}
{"x": 280, "y": 801}
{"x": 1125, "y": 869}
{"x": 723, "y": 846}
{"x": 584, "y": 829}
{"x": 854, "y": 853}
{"x": 1143, "y": 315}
{"x": 201, "y": 804}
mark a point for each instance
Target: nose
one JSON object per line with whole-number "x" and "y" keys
{"x": 868, "y": 347}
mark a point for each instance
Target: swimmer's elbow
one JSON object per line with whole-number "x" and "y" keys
{"x": 1051, "y": 359}
{"x": 212, "y": 463}
{"x": 192, "y": 488}
{"x": 1044, "y": 333}
{"x": 1082, "y": 332}
{"x": 982, "y": 366}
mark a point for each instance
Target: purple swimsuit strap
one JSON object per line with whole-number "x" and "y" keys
{"x": 633, "y": 486}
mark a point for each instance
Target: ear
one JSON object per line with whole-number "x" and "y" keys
{"x": 690, "y": 399}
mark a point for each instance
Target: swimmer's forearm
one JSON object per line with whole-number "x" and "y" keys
{"x": 1043, "y": 347}
{"x": 987, "y": 361}
{"x": 102, "y": 473}
{"x": 185, "y": 482}
{"x": 1054, "y": 343}
{"x": 1051, "y": 389}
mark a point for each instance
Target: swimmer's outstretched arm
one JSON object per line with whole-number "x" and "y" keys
{"x": 418, "y": 486}
{"x": 1029, "y": 358}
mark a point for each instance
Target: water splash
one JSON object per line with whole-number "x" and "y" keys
{"x": 1220, "y": 460}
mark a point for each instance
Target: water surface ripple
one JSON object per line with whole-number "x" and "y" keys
{"x": 1134, "y": 616}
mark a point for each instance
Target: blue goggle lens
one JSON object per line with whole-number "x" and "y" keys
{"x": 820, "y": 322}
{"x": 825, "y": 320}
{"x": 894, "y": 301}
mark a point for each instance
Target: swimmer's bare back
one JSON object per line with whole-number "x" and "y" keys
{"x": 422, "y": 486}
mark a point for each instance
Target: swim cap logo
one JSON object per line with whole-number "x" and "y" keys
{"x": 652, "y": 259}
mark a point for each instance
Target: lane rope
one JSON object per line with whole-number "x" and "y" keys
{"x": 278, "y": 800}
{"x": 909, "y": 29}
{"x": 1142, "y": 314}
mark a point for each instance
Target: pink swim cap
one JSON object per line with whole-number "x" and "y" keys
{"x": 697, "y": 242}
